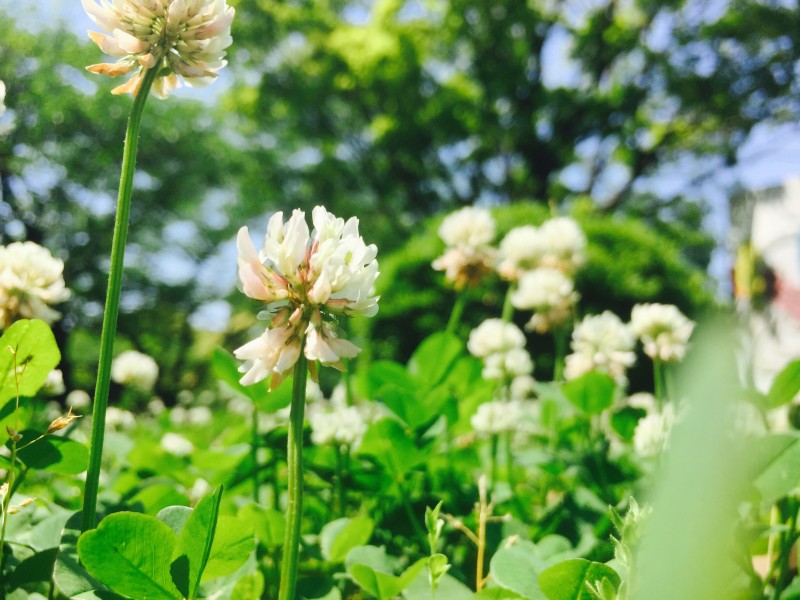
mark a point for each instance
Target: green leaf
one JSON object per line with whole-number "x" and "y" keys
{"x": 70, "y": 578}
{"x": 194, "y": 545}
{"x": 591, "y": 393}
{"x": 434, "y": 357}
{"x": 785, "y": 386}
{"x": 569, "y": 580}
{"x": 131, "y": 553}
{"x": 249, "y": 587}
{"x": 338, "y": 537}
{"x": 157, "y": 496}
{"x": 390, "y": 445}
{"x": 175, "y": 517}
{"x": 30, "y": 345}
{"x": 516, "y": 568}
{"x": 232, "y": 545}
{"x": 384, "y": 585}
{"x": 54, "y": 454}
{"x": 268, "y": 524}
{"x": 448, "y": 588}
{"x": 383, "y": 373}
{"x": 774, "y": 465}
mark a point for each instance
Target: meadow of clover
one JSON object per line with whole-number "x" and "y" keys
{"x": 406, "y": 300}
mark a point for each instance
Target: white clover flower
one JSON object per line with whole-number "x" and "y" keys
{"x": 465, "y": 267}
{"x": 468, "y": 227}
{"x": 134, "y": 369}
{"x": 54, "y": 384}
{"x": 30, "y": 279}
{"x": 651, "y": 436}
{"x": 185, "y": 397}
{"x": 494, "y": 336}
{"x": 177, "y": 445}
{"x": 177, "y": 37}
{"x": 178, "y": 416}
{"x": 663, "y": 329}
{"x": 156, "y": 406}
{"x": 270, "y": 421}
{"x": 497, "y": 417}
{"x": 644, "y": 401}
{"x": 119, "y": 418}
{"x": 332, "y": 424}
{"x": 240, "y": 406}
{"x": 78, "y": 399}
{"x": 603, "y": 343}
{"x": 199, "y": 488}
{"x": 549, "y": 293}
{"x": 522, "y": 387}
{"x": 307, "y": 280}
{"x": 468, "y": 258}
{"x": 521, "y": 250}
{"x": 507, "y": 365}
{"x": 199, "y": 416}
{"x": 564, "y": 244}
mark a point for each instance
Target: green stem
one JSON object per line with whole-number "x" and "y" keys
{"x": 7, "y": 504}
{"x": 658, "y": 382}
{"x": 455, "y": 315}
{"x": 294, "y": 460}
{"x": 560, "y": 346}
{"x": 254, "y": 452}
{"x": 338, "y": 490}
{"x": 788, "y": 539}
{"x": 508, "y": 308}
{"x": 112, "y": 304}
{"x": 493, "y": 460}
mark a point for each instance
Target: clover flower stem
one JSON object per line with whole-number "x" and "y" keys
{"x": 788, "y": 539}
{"x": 338, "y": 502}
{"x": 658, "y": 382}
{"x": 294, "y": 460}
{"x": 560, "y": 346}
{"x": 455, "y": 315}
{"x": 508, "y": 308}
{"x": 494, "y": 442}
{"x": 10, "y": 487}
{"x": 111, "y": 310}
{"x": 254, "y": 452}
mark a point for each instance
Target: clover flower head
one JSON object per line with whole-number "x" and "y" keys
{"x": 549, "y": 293}
{"x": 176, "y": 444}
{"x": 468, "y": 227}
{"x": 564, "y": 244}
{"x": 497, "y": 417}
{"x": 521, "y": 250}
{"x": 603, "y": 343}
{"x": 308, "y": 281}
{"x": 30, "y": 280}
{"x": 494, "y": 336}
{"x": 467, "y": 258}
{"x": 334, "y": 424}
{"x": 134, "y": 369}
{"x": 119, "y": 418}
{"x": 185, "y": 38}
{"x": 663, "y": 329}
{"x": 507, "y": 365}
{"x": 78, "y": 399}
{"x": 652, "y": 433}
{"x": 54, "y": 384}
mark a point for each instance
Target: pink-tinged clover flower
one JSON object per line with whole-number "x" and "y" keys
{"x": 177, "y": 37}
{"x": 308, "y": 280}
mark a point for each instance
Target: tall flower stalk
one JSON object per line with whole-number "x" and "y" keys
{"x": 294, "y": 507}
{"x": 309, "y": 281}
{"x": 111, "y": 312}
{"x": 155, "y": 42}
